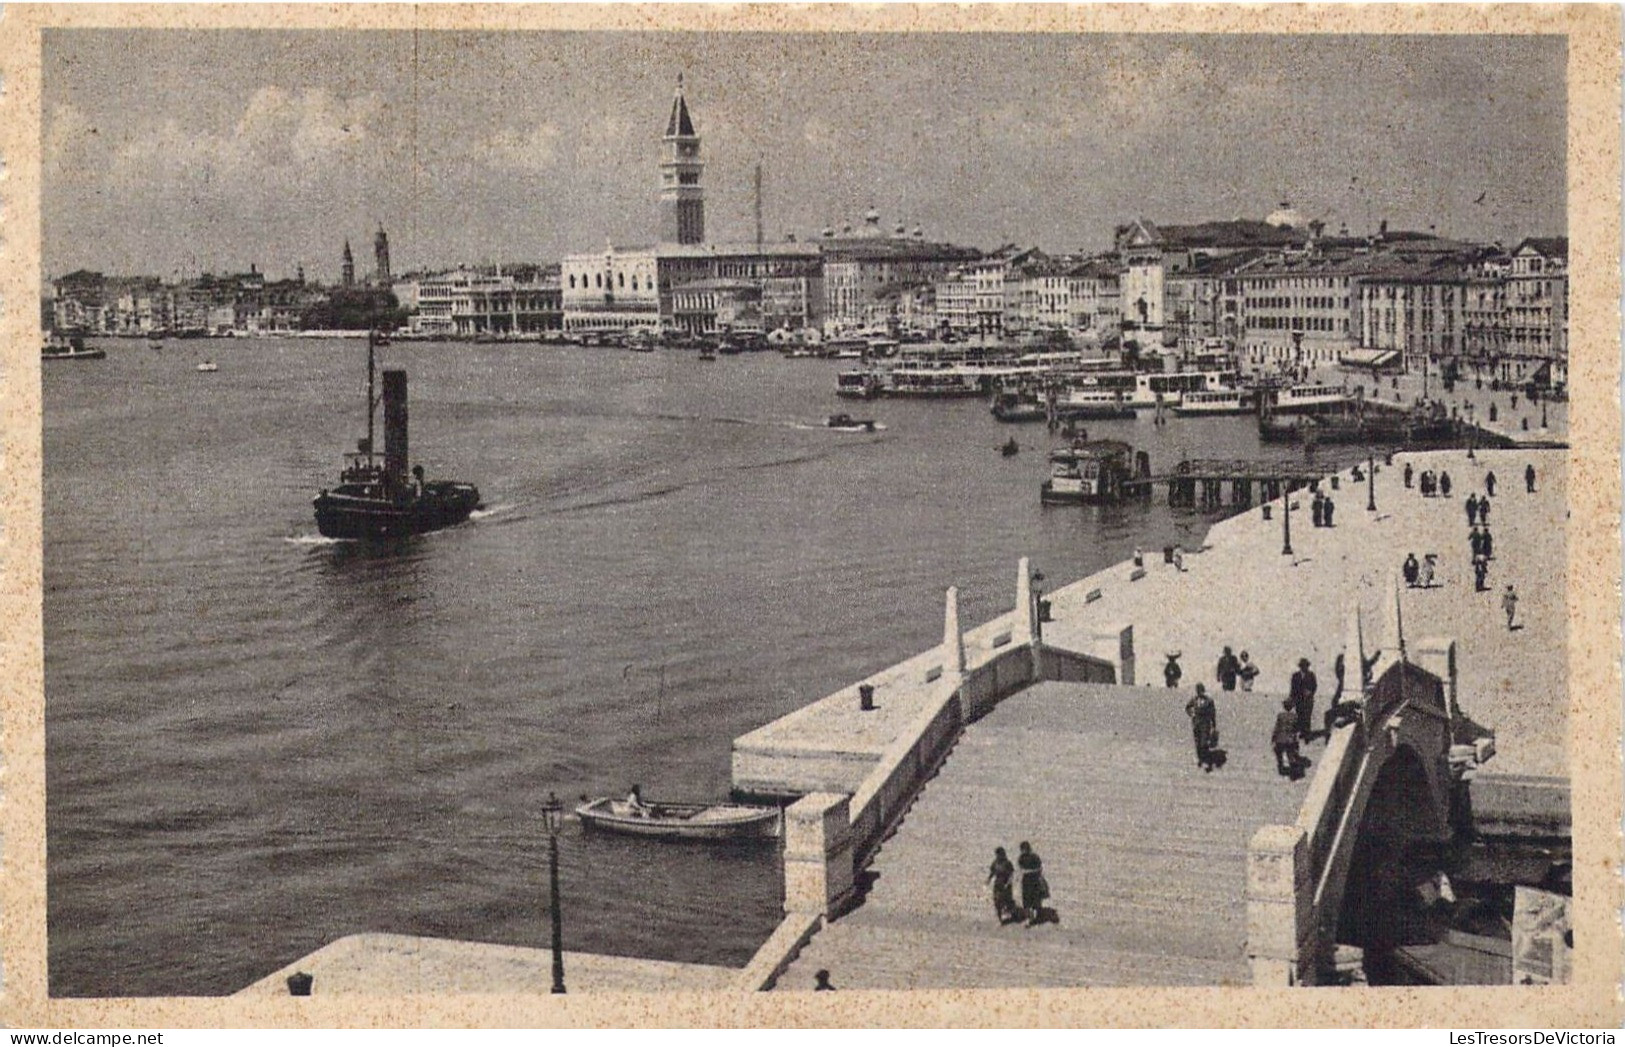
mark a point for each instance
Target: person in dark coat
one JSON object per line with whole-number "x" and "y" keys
{"x": 1426, "y": 484}
{"x": 1529, "y": 478}
{"x": 1171, "y": 672}
{"x": 1408, "y": 473}
{"x": 1326, "y": 511}
{"x": 1204, "y": 726}
{"x": 1337, "y": 674}
{"x": 1475, "y": 542}
{"x": 1444, "y": 484}
{"x": 1489, "y": 483}
{"x": 821, "y": 982}
{"x": 1481, "y": 572}
{"x": 1001, "y": 875}
{"x": 1302, "y": 697}
{"x": 1317, "y": 509}
{"x": 1034, "y": 889}
{"x": 1484, "y": 512}
{"x": 1227, "y": 670}
{"x": 1472, "y": 509}
{"x": 1486, "y": 545}
{"x": 1285, "y": 740}
{"x": 1411, "y": 570}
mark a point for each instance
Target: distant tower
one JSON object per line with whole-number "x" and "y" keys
{"x": 682, "y": 200}
{"x": 380, "y": 251}
{"x": 347, "y": 273}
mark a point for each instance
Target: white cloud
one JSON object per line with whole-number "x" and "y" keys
{"x": 532, "y": 150}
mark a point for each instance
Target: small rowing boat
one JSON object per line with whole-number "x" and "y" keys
{"x": 692, "y": 821}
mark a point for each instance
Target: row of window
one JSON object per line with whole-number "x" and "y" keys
{"x": 1296, "y": 323}
{"x": 1294, "y": 302}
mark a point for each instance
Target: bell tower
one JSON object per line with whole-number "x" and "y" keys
{"x": 682, "y": 199}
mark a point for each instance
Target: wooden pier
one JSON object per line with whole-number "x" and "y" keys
{"x": 1203, "y": 482}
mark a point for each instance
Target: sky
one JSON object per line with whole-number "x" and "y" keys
{"x": 169, "y": 152}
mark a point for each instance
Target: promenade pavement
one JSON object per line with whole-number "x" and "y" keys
{"x": 1244, "y": 592}
{"x": 407, "y": 965}
{"x": 1144, "y": 852}
{"x": 1404, "y": 390}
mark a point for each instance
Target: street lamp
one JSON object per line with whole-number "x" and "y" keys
{"x": 1038, "y": 608}
{"x": 552, "y": 818}
{"x": 1286, "y": 518}
{"x": 1370, "y": 480}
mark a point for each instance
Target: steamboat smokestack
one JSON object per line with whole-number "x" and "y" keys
{"x": 395, "y": 451}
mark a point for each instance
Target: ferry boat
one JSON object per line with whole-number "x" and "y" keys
{"x": 1304, "y": 399}
{"x": 1092, "y": 472}
{"x": 1019, "y": 407}
{"x": 375, "y": 497}
{"x": 58, "y": 348}
{"x": 1419, "y": 428}
{"x": 938, "y": 383}
{"x": 858, "y": 384}
{"x": 1148, "y": 388}
{"x": 1217, "y": 402}
{"x": 1093, "y": 405}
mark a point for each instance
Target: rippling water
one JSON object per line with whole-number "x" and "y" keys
{"x": 259, "y": 740}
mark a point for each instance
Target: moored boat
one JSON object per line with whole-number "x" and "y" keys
{"x": 1019, "y": 407}
{"x": 1304, "y": 399}
{"x": 376, "y": 498}
{"x": 1092, "y": 472}
{"x": 1093, "y": 405}
{"x": 858, "y": 384}
{"x": 1217, "y": 402}
{"x": 73, "y": 348}
{"x": 692, "y": 821}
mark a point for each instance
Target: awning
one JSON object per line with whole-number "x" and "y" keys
{"x": 1374, "y": 359}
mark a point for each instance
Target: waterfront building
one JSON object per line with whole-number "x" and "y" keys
{"x": 1095, "y": 299}
{"x": 1299, "y": 311}
{"x": 859, "y": 265}
{"x": 1151, "y": 252}
{"x": 1537, "y": 300}
{"x": 956, "y": 304}
{"x": 908, "y": 308}
{"x": 495, "y": 300}
{"x": 718, "y": 306}
{"x": 1038, "y": 296}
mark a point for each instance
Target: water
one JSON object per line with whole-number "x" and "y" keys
{"x": 259, "y": 740}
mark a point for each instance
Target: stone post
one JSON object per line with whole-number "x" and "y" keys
{"x": 1437, "y": 655}
{"x": 818, "y": 874}
{"x": 1114, "y": 642}
{"x": 1026, "y": 610}
{"x": 1281, "y": 945}
{"x": 953, "y": 641}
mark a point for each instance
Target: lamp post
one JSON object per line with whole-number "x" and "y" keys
{"x": 552, "y": 817}
{"x": 1038, "y": 608}
{"x": 1286, "y": 517}
{"x": 1370, "y": 480}
{"x": 1472, "y": 434}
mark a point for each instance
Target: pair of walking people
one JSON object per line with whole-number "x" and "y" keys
{"x": 1034, "y": 888}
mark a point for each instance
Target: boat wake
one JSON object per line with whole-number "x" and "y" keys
{"x": 315, "y": 539}
{"x": 492, "y": 510}
{"x": 880, "y": 427}
{"x": 623, "y": 499}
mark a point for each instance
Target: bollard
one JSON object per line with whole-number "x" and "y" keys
{"x": 299, "y": 984}
{"x": 1336, "y": 486}
{"x": 1526, "y": 425}
{"x": 1167, "y": 554}
{"x": 1268, "y": 514}
{"x": 866, "y": 697}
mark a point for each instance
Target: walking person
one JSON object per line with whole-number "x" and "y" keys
{"x": 1427, "y": 483}
{"x": 1408, "y": 473}
{"x": 1284, "y": 738}
{"x": 1486, "y": 545}
{"x": 1337, "y": 674}
{"x": 1247, "y": 671}
{"x": 1484, "y": 512}
{"x": 1489, "y": 483}
{"x": 1481, "y": 573}
{"x": 1227, "y": 670}
{"x": 821, "y": 981}
{"x": 1475, "y": 542}
{"x": 1302, "y": 697}
{"x": 1509, "y": 604}
{"x": 1001, "y": 874}
{"x": 1444, "y": 484}
{"x": 1472, "y": 509}
{"x": 1034, "y": 888}
{"x": 1317, "y": 509}
{"x": 1411, "y": 570}
{"x": 1172, "y": 672}
{"x": 1529, "y": 478}
{"x": 1429, "y": 565}
{"x": 1327, "y": 510}
{"x": 1204, "y": 726}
